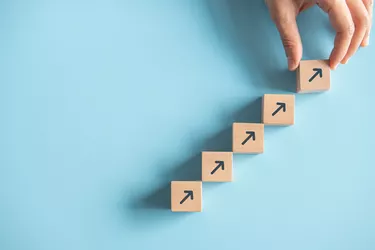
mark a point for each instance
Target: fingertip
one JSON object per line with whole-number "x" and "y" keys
{"x": 335, "y": 59}
{"x": 292, "y": 68}
{"x": 365, "y": 42}
{"x": 292, "y": 64}
{"x": 345, "y": 60}
{"x": 333, "y": 65}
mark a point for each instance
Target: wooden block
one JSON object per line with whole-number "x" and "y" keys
{"x": 248, "y": 138}
{"x": 217, "y": 166}
{"x": 186, "y": 196}
{"x": 278, "y": 109}
{"x": 313, "y": 76}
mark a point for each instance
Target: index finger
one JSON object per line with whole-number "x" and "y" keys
{"x": 342, "y": 22}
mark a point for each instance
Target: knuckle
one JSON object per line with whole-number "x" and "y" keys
{"x": 282, "y": 19}
{"x": 368, "y": 3}
{"x": 289, "y": 43}
{"x": 333, "y": 3}
{"x": 327, "y": 5}
{"x": 350, "y": 30}
{"x": 363, "y": 21}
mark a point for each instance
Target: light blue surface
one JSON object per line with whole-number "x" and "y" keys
{"x": 102, "y": 103}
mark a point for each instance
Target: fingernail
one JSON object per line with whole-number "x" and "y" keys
{"x": 290, "y": 64}
{"x": 366, "y": 42}
{"x": 345, "y": 61}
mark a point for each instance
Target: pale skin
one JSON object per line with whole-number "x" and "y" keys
{"x": 351, "y": 19}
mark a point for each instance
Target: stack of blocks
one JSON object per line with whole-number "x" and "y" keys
{"x": 248, "y": 138}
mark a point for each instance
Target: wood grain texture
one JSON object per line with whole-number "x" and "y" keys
{"x": 248, "y": 138}
{"x": 186, "y": 196}
{"x": 217, "y": 166}
{"x": 313, "y": 76}
{"x": 278, "y": 109}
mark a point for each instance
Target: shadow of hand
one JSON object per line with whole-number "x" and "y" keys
{"x": 248, "y": 31}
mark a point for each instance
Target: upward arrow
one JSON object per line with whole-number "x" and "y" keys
{"x": 189, "y": 193}
{"x": 251, "y": 135}
{"x": 220, "y": 164}
{"x": 282, "y": 106}
{"x": 318, "y": 71}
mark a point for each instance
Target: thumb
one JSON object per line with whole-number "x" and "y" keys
{"x": 285, "y": 20}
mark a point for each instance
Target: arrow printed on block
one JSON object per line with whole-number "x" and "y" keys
{"x": 220, "y": 164}
{"x": 251, "y": 135}
{"x": 189, "y": 194}
{"x": 318, "y": 71}
{"x": 282, "y": 106}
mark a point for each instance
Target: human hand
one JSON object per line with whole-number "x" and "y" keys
{"x": 351, "y": 19}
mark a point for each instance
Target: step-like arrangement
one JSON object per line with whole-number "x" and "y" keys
{"x": 248, "y": 138}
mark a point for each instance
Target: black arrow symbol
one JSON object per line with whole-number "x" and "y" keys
{"x": 282, "y": 106}
{"x": 220, "y": 164}
{"x": 189, "y": 193}
{"x": 251, "y": 135}
{"x": 318, "y": 71}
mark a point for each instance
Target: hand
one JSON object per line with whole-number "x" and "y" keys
{"x": 350, "y": 18}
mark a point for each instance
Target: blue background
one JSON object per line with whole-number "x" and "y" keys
{"x": 104, "y": 102}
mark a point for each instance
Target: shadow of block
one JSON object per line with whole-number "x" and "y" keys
{"x": 190, "y": 170}
{"x": 247, "y": 31}
{"x": 159, "y": 199}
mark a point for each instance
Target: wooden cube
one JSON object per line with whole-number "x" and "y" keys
{"x": 217, "y": 166}
{"x": 248, "y": 138}
{"x": 278, "y": 109}
{"x": 186, "y": 196}
{"x": 313, "y": 76}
